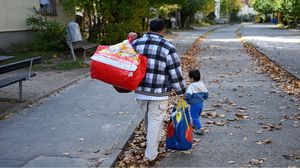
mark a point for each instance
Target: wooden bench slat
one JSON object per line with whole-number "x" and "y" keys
{"x": 14, "y": 79}
{"x": 89, "y": 46}
{"x": 85, "y": 45}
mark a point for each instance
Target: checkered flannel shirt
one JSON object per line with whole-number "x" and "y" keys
{"x": 163, "y": 68}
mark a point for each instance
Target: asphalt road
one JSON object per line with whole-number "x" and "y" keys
{"x": 237, "y": 87}
{"x": 281, "y": 46}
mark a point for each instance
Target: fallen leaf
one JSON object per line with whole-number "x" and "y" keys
{"x": 257, "y": 161}
{"x": 143, "y": 144}
{"x": 222, "y": 123}
{"x": 259, "y": 132}
{"x": 231, "y": 162}
{"x": 222, "y": 115}
{"x": 266, "y": 141}
{"x": 100, "y": 160}
{"x": 241, "y": 108}
{"x": 271, "y": 127}
{"x": 96, "y": 151}
{"x": 66, "y": 154}
{"x": 196, "y": 139}
{"x": 241, "y": 116}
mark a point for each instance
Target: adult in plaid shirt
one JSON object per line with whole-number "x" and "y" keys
{"x": 163, "y": 74}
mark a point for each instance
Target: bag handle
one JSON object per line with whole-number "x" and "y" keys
{"x": 182, "y": 104}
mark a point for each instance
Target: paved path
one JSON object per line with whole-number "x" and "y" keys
{"x": 281, "y": 46}
{"x": 85, "y": 124}
{"x": 236, "y": 87}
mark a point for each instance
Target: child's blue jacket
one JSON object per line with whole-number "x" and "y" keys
{"x": 196, "y": 93}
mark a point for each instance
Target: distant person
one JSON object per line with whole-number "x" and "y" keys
{"x": 44, "y": 6}
{"x": 73, "y": 32}
{"x": 163, "y": 74}
{"x": 195, "y": 95}
{"x": 173, "y": 22}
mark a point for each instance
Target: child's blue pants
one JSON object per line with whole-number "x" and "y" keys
{"x": 196, "y": 110}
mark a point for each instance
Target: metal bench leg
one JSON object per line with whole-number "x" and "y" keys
{"x": 20, "y": 91}
{"x": 72, "y": 52}
{"x": 73, "y": 55}
{"x": 84, "y": 55}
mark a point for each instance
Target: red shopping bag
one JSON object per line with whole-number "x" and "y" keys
{"x": 118, "y": 65}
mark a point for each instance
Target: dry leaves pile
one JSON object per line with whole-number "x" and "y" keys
{"x": 133, "y": 154}
{"x": 292, "y": 156}
{"x": 289, "y": 83}
{"x": 292, "y": 116}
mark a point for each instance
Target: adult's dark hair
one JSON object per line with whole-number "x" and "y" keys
{"x": 195, "y": 74}
{"x": 157, "y": 25}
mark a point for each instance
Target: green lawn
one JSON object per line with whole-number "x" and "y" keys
{"x": 50, "y": 60}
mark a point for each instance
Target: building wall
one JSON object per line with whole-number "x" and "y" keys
{"x": 63, "y": 17}
{"x": 13, "y": 14}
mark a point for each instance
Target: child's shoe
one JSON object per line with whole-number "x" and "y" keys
{"x": 198, "y": 132}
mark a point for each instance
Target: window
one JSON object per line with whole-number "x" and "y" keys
{"x": 48, "y": 7}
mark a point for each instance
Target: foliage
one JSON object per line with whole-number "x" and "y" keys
{"x": 165, "y": 10}
{"x": 188, "y": 10}
{"x": 48, "y": 34}
{"x": 108, "y": 21}
{"x": 208, "y": 7}
{"x": 230, "y": 8}
{"x": 262, "y": 6}
{"x": 288, "y": 11}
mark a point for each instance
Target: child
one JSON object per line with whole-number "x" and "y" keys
{"x": 195, "y": 95}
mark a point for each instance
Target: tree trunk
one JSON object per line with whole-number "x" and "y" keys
{"x": 280, "y": 18}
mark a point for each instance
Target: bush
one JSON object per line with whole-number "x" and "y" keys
{"x": 48, "y": 35}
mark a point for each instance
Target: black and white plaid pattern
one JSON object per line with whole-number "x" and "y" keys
{"x": 163, "y": 71}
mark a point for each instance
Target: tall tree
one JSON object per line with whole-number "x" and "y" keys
{"x": 230, "y": 9}
{"x": 188, "y": 10}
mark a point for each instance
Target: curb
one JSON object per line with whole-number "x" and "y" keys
{"x": 121, "y": 142}
{"x": 21, "y": 106}
{"x": 261, "y": 51}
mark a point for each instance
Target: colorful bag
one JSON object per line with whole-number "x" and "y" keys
{"x": 179, "y": 128}
{"x": 118, "y": 65}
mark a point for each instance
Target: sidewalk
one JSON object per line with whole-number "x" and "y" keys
{"x": 281, "y": 46}
{"x": 87, "y": 124}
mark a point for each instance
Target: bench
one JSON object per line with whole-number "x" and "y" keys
{"x": 84, "y": 45}
{"x": 20, "y": 76}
